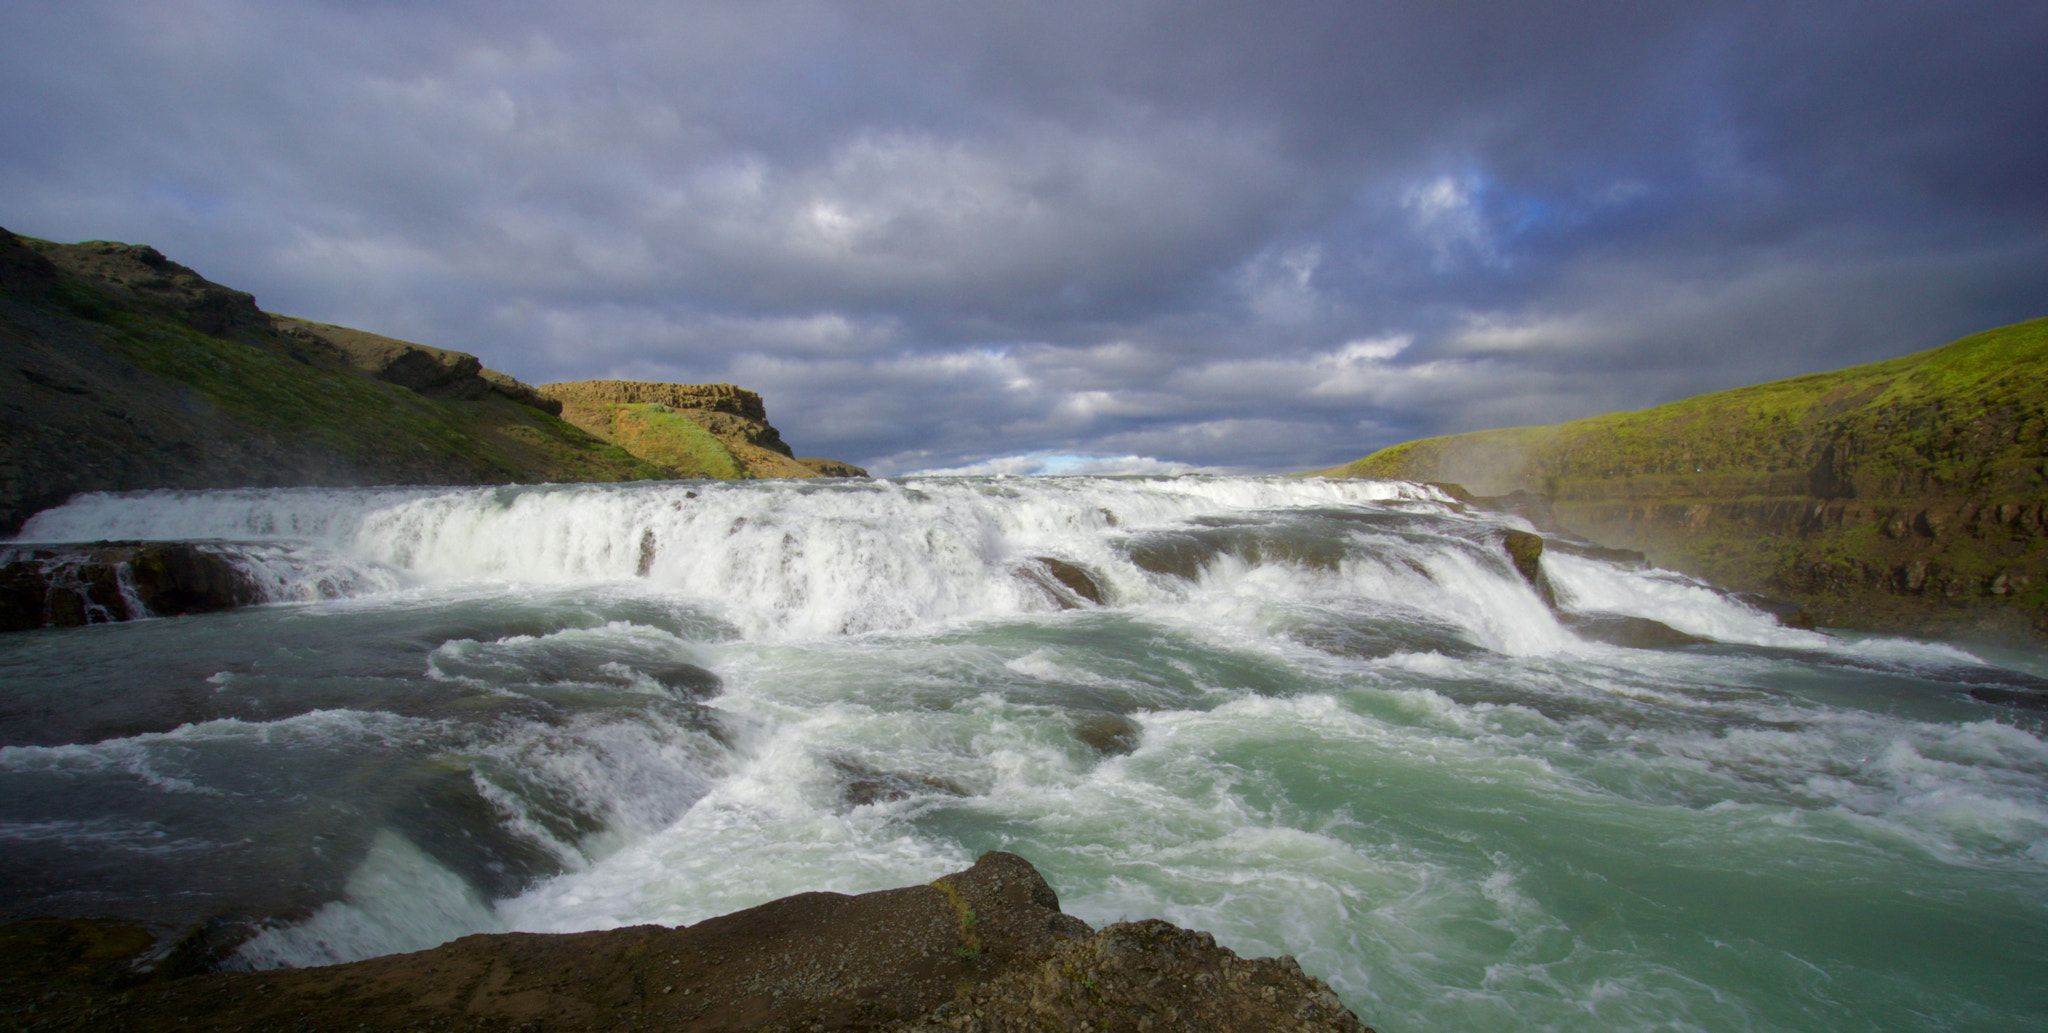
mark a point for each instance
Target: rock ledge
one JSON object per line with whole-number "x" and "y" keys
{"x": 984, "y": 950}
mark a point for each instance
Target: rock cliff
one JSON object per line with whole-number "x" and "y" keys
{"x": 699, "y": 430}
{"x": 1906, "y": 495}
{"x": 986, "y": 949}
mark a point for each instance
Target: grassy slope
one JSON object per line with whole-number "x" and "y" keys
{"x": 660, "y": 435}
{"x": 364, "y": 422}
{"x": 1828, "y": 487}
{"x": 151, "y": 400}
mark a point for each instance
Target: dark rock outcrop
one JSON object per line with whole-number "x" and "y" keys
{"x": 986, "y": 950}
{"x": 1525, "y": 551}
{"x": 1618, "y": 629}
{"x": 1071, "y": 586}
{"x": 1108, "y": 734}
{"x": 434, "y": 372}
{"x": 70, "y": 585}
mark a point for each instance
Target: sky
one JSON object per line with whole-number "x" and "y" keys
{"x": 1041, "y": 236}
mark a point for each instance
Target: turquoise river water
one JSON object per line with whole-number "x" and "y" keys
{"x": 1322, "y": 718}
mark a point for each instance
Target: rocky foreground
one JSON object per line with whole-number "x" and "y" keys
{"x": 986, "y": 949}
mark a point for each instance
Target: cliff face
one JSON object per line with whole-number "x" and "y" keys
{"x": 121, "y": 370}
{"x": 698, "y": 430}
{"x": 1907, "y": 495}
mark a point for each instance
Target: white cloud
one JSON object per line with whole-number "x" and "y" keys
{"x": 1050, "y": 464}
{"x": 1446, "y": 213}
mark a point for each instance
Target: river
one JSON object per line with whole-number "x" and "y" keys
{"x": 1321, "y": 718}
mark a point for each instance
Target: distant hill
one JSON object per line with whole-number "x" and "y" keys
{"x": 1910, "y": 494}
{"x": 121, "y": 369}
{"x": 709, "y": 430}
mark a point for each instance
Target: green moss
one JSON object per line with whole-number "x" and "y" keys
{"x": 302, "y": 406}
{"x": 658, "y": 434}
{"x": 1937, "y": 432}
{"x": 1949, "y": 418}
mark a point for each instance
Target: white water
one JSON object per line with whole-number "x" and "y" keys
{"x": 1360, "y": 739}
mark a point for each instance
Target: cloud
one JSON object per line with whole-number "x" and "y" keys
{"x": 1231, "y": 236}
{"x": 1038, "y": 464}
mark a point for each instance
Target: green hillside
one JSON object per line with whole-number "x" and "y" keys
{"x": 125, "y": 370}
{"x": 1905, "y": 493}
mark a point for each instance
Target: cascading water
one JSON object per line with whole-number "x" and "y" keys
{"x": 1325, "y": 718}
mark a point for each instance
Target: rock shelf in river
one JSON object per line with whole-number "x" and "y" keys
{"x": 986, "y": 949}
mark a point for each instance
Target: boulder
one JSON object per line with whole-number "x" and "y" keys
{"x": 1618, "y": 629}
{"x": 70, "y": 585}
{"x": 1070, "y": 585}
{"x": 1108, "y": 734}
{"x": 1525, "y": 550}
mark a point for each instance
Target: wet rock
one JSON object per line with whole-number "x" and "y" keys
{"x": 1174, "y": 554}
{"x": 2010, "y": 696}
{"x": 686, "y": 681}
{"x": 986, "y": 949}
{"x": 1068, "y": 584}
{"x": 1618, "y": 629}
{"x": 172, "y": 579}
{"x": 1374, "y": 639}
{"x": 648, "y": 550}
{"x": 1591, "y": 551}
{"x": 1525, "y": 550}
{"x": 1108, "y": 734}
{"x": 69, "y": 585}
{"x": 865, "y": 785}
{"x": 1790, "y": 615}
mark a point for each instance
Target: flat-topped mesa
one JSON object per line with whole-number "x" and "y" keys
{"x": 696, "y": 430}
{"x": 725, "y": 398}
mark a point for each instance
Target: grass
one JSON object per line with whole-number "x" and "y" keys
{"x": 1970, "y": 415}
{"x": 1944, "y": 433}
{"x": 660, "y": 435}
{"x": 327, "y": 408}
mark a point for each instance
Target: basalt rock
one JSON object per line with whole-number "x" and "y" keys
{"x": 1617, "y": 629}
{"x": 1070, "y": 586}
{"x": 1525, "y": 551}
{"x": 434, "y": 372}
{"x": 986, "y": 949}
{"x": 70, "y": 585}
{"x": 1108, "y": 734}
{"x": 746, "y": 445}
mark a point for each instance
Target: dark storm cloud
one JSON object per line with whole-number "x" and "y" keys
{"x": 1221, "y": 235}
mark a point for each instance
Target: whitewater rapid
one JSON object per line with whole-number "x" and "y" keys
{"x": 1325, "y": 718}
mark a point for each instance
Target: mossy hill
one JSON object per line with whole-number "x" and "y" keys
{"x": 125, "y": 370}
{"x": 1910, "y": 494}
{"x": 708, "y": 430}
